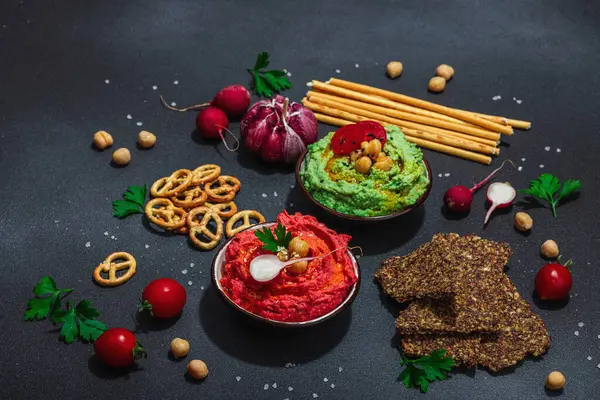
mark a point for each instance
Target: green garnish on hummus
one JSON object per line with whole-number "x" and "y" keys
{"x": 333, "y": 181}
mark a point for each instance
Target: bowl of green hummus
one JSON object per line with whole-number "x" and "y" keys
{"x": 332, "y": 182}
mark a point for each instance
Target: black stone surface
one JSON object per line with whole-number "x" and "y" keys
{"x": 56, "y": 190}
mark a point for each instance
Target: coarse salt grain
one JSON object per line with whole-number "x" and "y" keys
{"x": 139, "y": 123}
{"x": 541, "y": 165}
{"x": 175, "y": 82}
{"x": 519, "y": 101}
{"x": 129, "y": 116}
{"x": 337, "y": 71}
{"x": 56, "y": 221}
{"x": 88, "y": 244}
{"x": 558, "y": 150}
{"x": 266, "y": 387}
{"x": 264, "y": 195}
{"x": 184, "y": 271}
{"x": 496, "y": 97}
{"x": 274, "y": 385}
{"x": 598, "y": 365}
{"x": 189, "y": 283}
{"x": 576, "y": 333}
{"x": 290, "y": 388}
{"x": 173, "y": 104}
{"x": 147, "y": 246}
{"x": 520, "y": 168}
{"x": 289, "y": 74}
{"x": 106, "y": 233}
{"x": 112, "y": 237}
{"x": 325, "y": 380}
{"x": 275, "y": 194}
{"x": 356, "y": 65}
{"x": 332, "y": 386}
{"x": 447, "y": 174}
{"x": 547, "y": 148}
{"x": 340, "y": 369}
{"x": 192, "y": 265}
{"x": 292, "y": 186}
{"x": 291, "y": 204}
{"x": 106, "y": 81}
{"x": 589, "y": 358}
{"x": 238, "y": 378}
{"x": 581, "y": 324}
{"x": 523, "y": 159}
{"x": 440, "y": 175}
{"x": 314, "y": 394}
{"x": 154, "y": 87}
{"x": 201, "y": 287}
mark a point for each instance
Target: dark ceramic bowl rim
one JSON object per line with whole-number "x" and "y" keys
{"x": 284, "y": 324}
{"x": 394, "y": 214}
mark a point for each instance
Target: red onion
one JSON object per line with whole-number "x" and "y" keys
{"x": 278, "y": 130}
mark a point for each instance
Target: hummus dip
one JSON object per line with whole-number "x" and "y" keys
{"x": 307, "y": 296}
{"x": 333, "y": 181}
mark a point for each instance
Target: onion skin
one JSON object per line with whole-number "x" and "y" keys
{"x": 233, "y": 100}
{"x": 458, "y": 199}
{"x": 265, "y": 132}
{"x": 210, "y": 122}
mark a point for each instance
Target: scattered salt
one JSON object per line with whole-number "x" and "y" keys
{"x": 337, "y": 71}
{"x": 147, "y": 246}
{"x": 106, "y": 233}
{"x": 340, "y": 369}
{"x": 291, "y": 204}
{"x": 275, "y": 194}
{"x": 264, "y": 195}
{"x": 541, "y": 165}
{"x": 266, "y": 387}
{"x": 139, "y": 123}
{"x": 598, "y": 336}
{"x": 56, "y": 221}
{"x": 238, "y": 378}
{"x": 201, "y": 287}
{"x": 293, "y": 186}
{"x": 192, "y": 265}
{"x": 107, "y": 81}
{"x": 113, "y": 237}
{"x": 274, "y": 385}
{"x": 496, "y": 97}
{"x": 520, "y": 168}
{"x": 88, "y": 244}
{"x": 589, "y": 358}
{"x": 129, "y": 116}
{"x": 189, "y": 283}
{"x": 332, "y": 386}
{"x": 440, "y": 175}
{"x": 175, "y": 82}
{"x": 447, "y": 174}
{"x": 173, "y": 104}
{"x": 285, "y": 70}
{"x": 576, "y": 333}
{"x": 581, "y": 324}
{"x": 558, "y": 150}
{"x": 355, "y": 65}
{"x": 289, "y": 74}
{"x": 184, "y": 271}
{"x": 314, "y": 394}
{"x": 523, "y": 159}
{"x": 547, "y": 148}
{"x": 290, "y": 388}
{"x": 519, "y": 101}
{"x": 598, "y": 365}
{"x": 154, "y": 87}
{"x": 325, "y": 379}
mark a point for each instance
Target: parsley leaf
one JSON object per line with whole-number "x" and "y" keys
{"x": 79, "y": 322}
{"x": 47, "y": 299}
{"x": 274, "y": 243}
{"x": 268, "y": 82}
{"x": 135, "y": 199}
{"x": 424, "y": 370}
{"x": 547, "y": 187}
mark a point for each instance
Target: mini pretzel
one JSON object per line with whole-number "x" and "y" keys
{"x": 164, "y": 214}
{"x": 191, "y": 197}
{"x": 170, "y": 185}
{"x": 223, "y": 189}
{"x": 111, "y": 266}
{"x": 205, "y": 173}
{"x": 245, "y": 215}
{"x": 201, "y": 230}
{"x": 223, "y": 210}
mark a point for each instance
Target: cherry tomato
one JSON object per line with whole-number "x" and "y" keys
{"x": 118, "y": 347}
{"x": 553, "y": 282}
{"x": 373, "y": 130}
{"x": 164, "y": 297}
{"x": 346, "y": 139}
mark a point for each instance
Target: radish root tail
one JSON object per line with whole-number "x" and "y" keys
{"x": 236, "y": 145}
{"x": 487, "y": 178}
{"x": 194, "y": 107}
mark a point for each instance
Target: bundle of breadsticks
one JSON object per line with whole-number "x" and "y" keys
{"x": 460, "y": 133}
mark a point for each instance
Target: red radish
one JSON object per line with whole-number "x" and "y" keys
{"x": 554, "y": 281}
{"x": 347, "y": 139}
{"x": 459, "y": 198}
{"x": 500, "y": 195}
{"x": 211, "y": 122}
{"x": 233, "y": 100}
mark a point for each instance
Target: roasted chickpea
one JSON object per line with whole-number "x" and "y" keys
{"x": 298, "y": 246}
{"x": 363, "y": 165}
{"x": 179, "y": 347}
{"x": 550, "y": 249}
{"x": 555, "y": 380}
{"x": 297, "y": 268}
{"x": 355, "y": 155}
{"x": 365, "y": 147}
{"x": 121, "y": 156}
{"x": 102, "y": 140}
{"x": 445, "y": 71}
{"x": 146, "y": 139}
{"x": 523, "y": 221}
{"x": 374, "y": 149}
{"x": 394, "y": 69}
{"x": 437, "y": 84}
{"x": 197, "y": 369}
{"x": 384, "y": 163}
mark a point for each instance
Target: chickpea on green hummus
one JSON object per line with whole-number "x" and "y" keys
{"x": 334, "y": 181}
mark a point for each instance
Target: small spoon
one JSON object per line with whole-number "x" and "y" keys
{"x": 266, "y": 267}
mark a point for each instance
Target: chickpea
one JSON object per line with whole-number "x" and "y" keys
{"x": 298, "y": 246}
{"x": 121, "y": 156}
{"x": 374, "y": 149}
{"x": 384, "y": 163}
{"x": 363, "y": 165}
{"x": 283, "y": 255}
{"x": 102, "y": 140}
{"x": 297, "y": 268}
{"x": 445, "y": 71}
{"x": 365, "y": 147}
{"x": 523, "y": 221}
{"x": 550, "y": 249}
{"x": 197, "y": 369}
{"x": 555, "y": 380}
{"x": 179, "y": 347}
{"x": 394, "y": 69}
{"x": 437, "y": 84}
{"x": 146, "y": 139}
{"x": 355, "y": 155}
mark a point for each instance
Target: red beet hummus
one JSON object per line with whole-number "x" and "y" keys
{"x": 323, "y": 286}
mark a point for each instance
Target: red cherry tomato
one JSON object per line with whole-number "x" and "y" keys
{"x": 373, "y": 130}
{"x": 164, "y": 297}
{"x": 553, "y": 282}
{"x": 118, "y": 347}
{"x": 347, "y": 139}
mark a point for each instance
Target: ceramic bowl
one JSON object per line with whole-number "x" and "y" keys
{"x": 216, "y": 273}
{"x": 395, "y": 214}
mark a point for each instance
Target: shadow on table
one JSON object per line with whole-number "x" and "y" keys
{"x": 373, "y": 237}
{"x": 261, "y": 344}
{"x": 104, "y": 372}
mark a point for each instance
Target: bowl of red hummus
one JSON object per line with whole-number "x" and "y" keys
{"x": 302, "y": 294}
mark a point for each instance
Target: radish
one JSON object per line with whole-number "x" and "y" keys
{"x": 459, "y": 198}
{"x": 211, "y": 122}
{"x": 234, "y": 100}
{"x": 500, "y": 195}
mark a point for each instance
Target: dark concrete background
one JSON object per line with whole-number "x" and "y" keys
{"x": 55, "y": 190}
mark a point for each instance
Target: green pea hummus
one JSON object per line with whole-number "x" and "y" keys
{"x": 333, "y": 181}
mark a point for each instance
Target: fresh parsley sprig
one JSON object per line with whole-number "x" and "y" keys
{"x": 547, "y": 187}
{"x": 133, "y": 203}
{"x": 424, "y": 370}
{"x": 267, "y": 82}
{"x": 76, "y": 322}
{"x": 274, "y": 243}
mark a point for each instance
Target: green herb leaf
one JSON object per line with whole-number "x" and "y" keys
{"x": 133, "y": 203}
{"x": 424, "y": 370}
{"x": 274, "y": 243}
{"x": 79, "y": 322}
{"x": 268, "y": 82}
{"x": 546, "y": 187}
{"x": 90, "y": 329}
{"x": 69, "y": 330}
{"x": 136, "y": 194}
{"x": 47, "y": 299}
{"x": 123, "y": 208}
